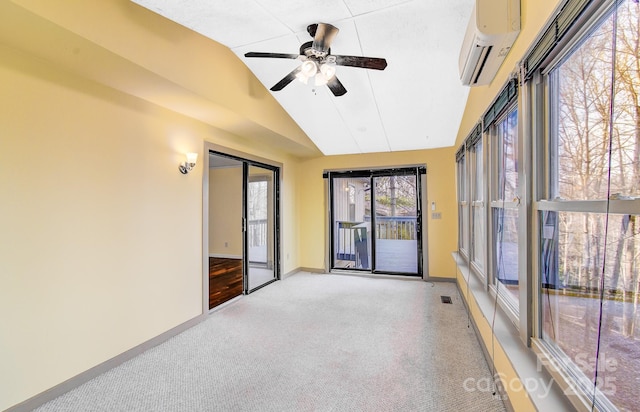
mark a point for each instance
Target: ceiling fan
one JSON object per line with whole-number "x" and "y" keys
{"x": 318, "y": 62}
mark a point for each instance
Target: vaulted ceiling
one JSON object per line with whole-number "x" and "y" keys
{"x": 415, "y": 103}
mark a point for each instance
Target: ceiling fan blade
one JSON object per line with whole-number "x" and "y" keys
{"x": 285, "y": 80}
{"x": 375, "y": 63}
{"x": 274, "y": 55}
{"x": 336, "y": 86}
{"x": 325, "y": 33}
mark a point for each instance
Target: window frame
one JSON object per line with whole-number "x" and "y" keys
{"x": 510, "y": 305}
{"x": 543, "y": 88}
{"x": 478, "y": 202}
{"x": 565, "y": 30}
{"x": 463, "y": 203}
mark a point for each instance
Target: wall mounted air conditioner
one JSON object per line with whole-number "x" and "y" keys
{"x": 493, "y": 27}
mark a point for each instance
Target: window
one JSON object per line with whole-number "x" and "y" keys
{"x": 564, "y": 211}
{"x": 504, "y": 208}
{"x": 463, "y": 204}
{"x": 477, "y": 205}
{"x": 497, "y": 262}
{"x": 589, "y": 216}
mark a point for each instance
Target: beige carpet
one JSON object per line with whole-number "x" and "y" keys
{"x": 309, "y": 343}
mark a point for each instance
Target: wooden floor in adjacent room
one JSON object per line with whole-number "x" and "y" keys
{"x": 225, "y": 280}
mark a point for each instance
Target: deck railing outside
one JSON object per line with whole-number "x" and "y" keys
{"x": 345, "y": 240}
{"x": 387, "y": 227}
{"x": 257, "y": 232}
{"x": 395, "y": 227}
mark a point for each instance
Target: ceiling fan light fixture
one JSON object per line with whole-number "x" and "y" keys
{"x": 317, "y": 61}
{"x": 309, "y": 69}
{"x": 302, "y": 78}
{"x": 328, "y": 70}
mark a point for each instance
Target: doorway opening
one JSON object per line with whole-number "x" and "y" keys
{"x": 376, "y": 220}
{"x": 243, "y": 226}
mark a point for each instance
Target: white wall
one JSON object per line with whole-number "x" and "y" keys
{"x": 225, "y": 212}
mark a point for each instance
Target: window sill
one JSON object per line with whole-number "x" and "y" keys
{"x": 575, "y": 392}
{"x": 527, "y": 385}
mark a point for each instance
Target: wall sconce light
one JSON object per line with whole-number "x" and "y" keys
{"x": 186, "y": 167}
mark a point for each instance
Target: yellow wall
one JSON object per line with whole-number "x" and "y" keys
{"x": 534, "y": 14}
{"x": 101, "y": 236}
{"x": 225, "y": 212}
{"x": 290, "y": 242}
{"x": 172, "y": 66}
{"x": 442, "y": 233}
{"x": 518, "y": 397}
{"x": 100, "y": 251}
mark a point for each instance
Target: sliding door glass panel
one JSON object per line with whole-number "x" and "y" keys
{"x": 260, "y": 198}
{"x": 351, "y": 210}
{"x": 396, "y": 215}
{"x": 226, "y": 275}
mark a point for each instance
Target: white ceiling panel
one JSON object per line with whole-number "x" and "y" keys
{"x": 425, "y": 87}
{"x": 415, "y": 103}
{"x": 360, "y": 110}
{"x": 230, "y": 22}
{"x": 297, "y": 15}
{"x": 359, "y": 7}
{"x": 348, "y": 41}
{"x": 318, "y": 114}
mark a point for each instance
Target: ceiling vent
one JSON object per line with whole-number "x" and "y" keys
{"x": 493, "y": 27}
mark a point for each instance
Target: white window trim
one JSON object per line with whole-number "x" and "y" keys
{"x": 624, "y": 207}
{"x": 575, "y": 385}
{"x": 481, "y": 204}
{"x": 511, "y": 307}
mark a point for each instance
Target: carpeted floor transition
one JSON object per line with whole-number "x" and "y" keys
{"x": 309, "y": 343}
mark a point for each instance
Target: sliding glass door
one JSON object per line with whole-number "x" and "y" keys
{"x": 375, "y": 221}
{"x": 396, "y": 223}
{"x": 226, "y": 256}
{"x": 243, "y": 226}
{"x": 351, "y": 210}
{"x": 259, "y": 228}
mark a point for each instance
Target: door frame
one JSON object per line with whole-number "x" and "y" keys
{"x": 211, "y": 148}
{"x": 421, "y": 230}
{"x": 246, "y": 179}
